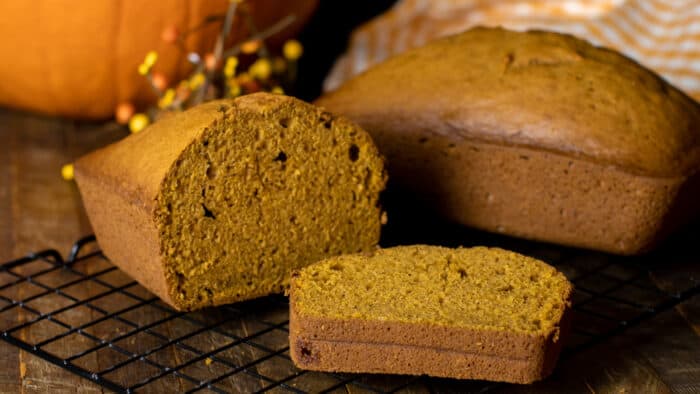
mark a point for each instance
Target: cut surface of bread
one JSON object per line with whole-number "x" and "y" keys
{"x": 219, "y": 203}
{"x": 473, "y": 313}
{"x": 534, "y": 134}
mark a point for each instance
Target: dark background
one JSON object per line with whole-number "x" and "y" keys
{"x": 326, "y": 37}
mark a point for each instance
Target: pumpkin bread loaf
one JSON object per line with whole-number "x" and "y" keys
{"x": 219, "y": 203}
{"x": 534, "y": 134}
{"x": 478, "y": 313}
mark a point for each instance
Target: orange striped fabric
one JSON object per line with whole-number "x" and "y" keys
{"x": 663, "y": 35}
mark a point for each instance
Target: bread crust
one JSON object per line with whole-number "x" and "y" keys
{"x": 542, "y": 195}
{"x": 119, "y": 189}
{"x": 117, "y": 221}
{"x": 355, "y": 345}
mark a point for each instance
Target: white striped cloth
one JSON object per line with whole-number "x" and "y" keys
{"x": 663, "y": 35}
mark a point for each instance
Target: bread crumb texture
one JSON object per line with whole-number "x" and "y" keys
{"x": 475, "y": 288}
{"x": 271, "y": 186}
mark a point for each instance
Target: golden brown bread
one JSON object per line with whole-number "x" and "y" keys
{"x": 219, "y": 203}
{"x": 536, "y": 134}
{"x": 477, "y": 313}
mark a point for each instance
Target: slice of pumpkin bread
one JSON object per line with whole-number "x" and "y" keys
{"x": 219, "y": 203}
{"x": 477, "y": 313}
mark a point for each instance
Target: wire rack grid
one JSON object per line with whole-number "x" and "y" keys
{"x": 83, "y": 314}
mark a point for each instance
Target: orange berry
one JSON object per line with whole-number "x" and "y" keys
{"x": 183, "y": 91}
{"x": 250, "y": 47}
{"x": 251, "y": 86}
{"x": 170, "y": 34}
{"x": 123, "y": 112}
{"x": 243, "y": 78}
{"x": 210, "y": 61}
{"x": 279, "y": 65}
{"x": 159, "y": 80}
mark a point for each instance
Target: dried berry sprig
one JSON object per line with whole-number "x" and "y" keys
{"x": 209, "y": 80}
{"x": 215, "y": 74}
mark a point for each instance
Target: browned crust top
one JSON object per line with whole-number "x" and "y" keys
{"x": 539, "y": 89}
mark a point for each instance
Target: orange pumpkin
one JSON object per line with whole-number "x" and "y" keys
{"x": 80, "y": 59}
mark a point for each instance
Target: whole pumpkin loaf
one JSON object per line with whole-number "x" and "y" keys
{"x": 219, "y": 203}
{"x": 534, "y": 134}
{"x": 477, "y": 313}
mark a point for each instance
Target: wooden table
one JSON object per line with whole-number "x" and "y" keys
{"x": 39, "y": 210}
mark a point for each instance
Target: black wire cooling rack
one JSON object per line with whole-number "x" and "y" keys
{"x": 84, "y": 315}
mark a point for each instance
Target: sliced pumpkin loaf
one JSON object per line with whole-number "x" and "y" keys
{"x": 470, "y": 313}
{"x": 219, "y": 203}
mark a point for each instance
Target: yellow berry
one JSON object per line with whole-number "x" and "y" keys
{"x": 277, "y": 90}
{"x": 292, "y": 50}
{"x": 261, "y": 69}
{"x": 148, "y": 62}
{"x": 138, "y": 122}
{"x": 234, "y": 89}
{"x": 144, "y": 68}
{"x": 196, "y": 80}
{"x": 167, "y": 99}
{"x": 250, "y": 47}
{"x": 67, "y": 172}
{"x": 151, "y": 58}
{"x": 230, "y": 66}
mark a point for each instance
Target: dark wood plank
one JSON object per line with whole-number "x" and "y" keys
{"x": 39, "y": 211}
{"x": 675, "y": 355}
{"x": 44, "y": 216}
{"x": 9, "y": 356}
